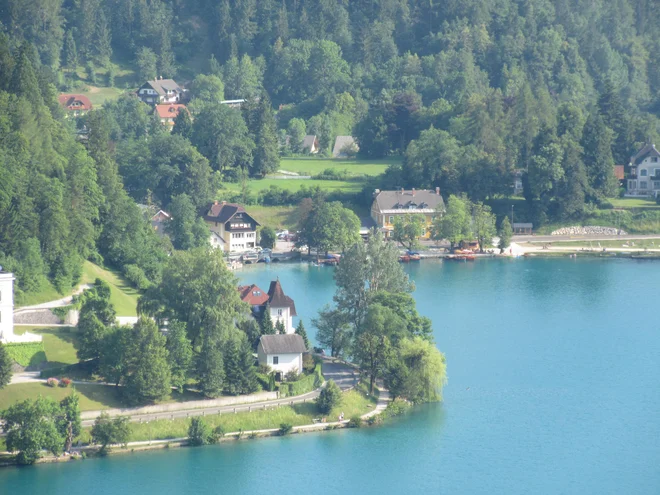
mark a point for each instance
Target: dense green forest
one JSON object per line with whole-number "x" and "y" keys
{"x": 467, "y": 91}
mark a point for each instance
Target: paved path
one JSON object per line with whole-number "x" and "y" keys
{"x": 344, "y": 375}
{"x": 383, "y": 401}
{"x": 58, "y": 303}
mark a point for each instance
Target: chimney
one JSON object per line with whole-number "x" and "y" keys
{"x": 224, "y": 202}
{"x": 376, "y": 192}
{"x": 413, "y": 191}
{"x": 437, "y": 191}
{"x": 161, "y": 78}
{"x": 215, "y": 202}
{"x": 402, "y": 191}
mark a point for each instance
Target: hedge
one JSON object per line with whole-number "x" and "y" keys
{"x": 28, "y": 354}
{"x": 304, "y": 385}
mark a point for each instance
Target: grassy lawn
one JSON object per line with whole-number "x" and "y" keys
{"x": 123, "y": 296}
{"x": 359, "y": 171}
{"x": 634, "y": 203}
{"x": 92, "y": 397}
{"x": 98, "y": 95}
{"x": 59, "y": 343}
{"x": 47, "y": 293}
{"x": 353, "y": 402}
{"x": 314, "y": 166}
{"x": 351, "y": 186}
{"x": 278, "y": 217}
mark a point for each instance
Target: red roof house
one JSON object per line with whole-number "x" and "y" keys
{"x": 76, "y": 104}
{"x": 168, "y": 112}
{"x": 253, "y": 295}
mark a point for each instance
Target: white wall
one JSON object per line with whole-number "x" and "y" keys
{"x": 286, "y": 362}
{"x": 285, "y": 317}
{"x": 6, "y": 306}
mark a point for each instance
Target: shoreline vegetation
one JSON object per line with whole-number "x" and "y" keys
{"x": 274, "y": 421}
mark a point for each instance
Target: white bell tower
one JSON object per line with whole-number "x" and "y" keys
{"x": 6, "y": 306}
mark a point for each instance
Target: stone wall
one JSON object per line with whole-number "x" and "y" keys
{"x": 589, "y": 230}
{"x": 184, "y": 406}
{"x": 36, "y": 317}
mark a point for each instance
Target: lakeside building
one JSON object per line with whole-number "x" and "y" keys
{"x": 233, "y": 225}
{"x": 644, "y": 178}
{"x": 388, "y": 205}
{"x": 282, "y": 307}
{"x": 282, "y": 353}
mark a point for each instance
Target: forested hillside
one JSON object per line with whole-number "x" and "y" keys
{"x": 59, "y": 203}
{"x": 467, "y": 91}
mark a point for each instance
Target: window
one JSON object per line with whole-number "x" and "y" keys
{"x": 279, "y": 312}
{"x": 642, "y": 185}
{"x": 391, "y": 219}
{"x": 276, "y": 360}
{"x": 643, "y": 172}
{"x": 654, "y": 159}
{"x": 632, "y": 184}
{"x": 656, "y": 184}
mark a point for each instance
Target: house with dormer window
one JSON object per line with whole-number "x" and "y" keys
{"x": 387, "y": 205}
{"x": 160, "y": 91}
{"x": 233, "y": 225}
{"x": 644, "y": 179}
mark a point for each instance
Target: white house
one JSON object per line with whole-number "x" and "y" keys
{"x": 6, "y": 306}
{"x": 233, "y": 225}
{"x": 282, "y": 307}
{"x": 644, "y": 177}
{"x": 282, "y": 353}
{"x": 160, "y": 91}
{"x": 7, "y": 312}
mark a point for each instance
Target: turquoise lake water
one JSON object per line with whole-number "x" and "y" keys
{"x": 554, "y": 387}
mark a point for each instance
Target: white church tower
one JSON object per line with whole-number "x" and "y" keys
{"x": 6, "y": 306}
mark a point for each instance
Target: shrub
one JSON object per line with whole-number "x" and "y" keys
{"x": 285, "y": 429}
{"x": 292, "y": 375}
{"x": 329, "y": 397}
{"x": 136, "y": 276}
{"x": 355, "y": 422}
{"x": 28, "y": 354}
{"x": 52, "y": 382}
{"x": 65, "y": 382}
{"x": 199, "y": 432}
{"x": 305, "y": 384}
{"x": 308, "y": 363}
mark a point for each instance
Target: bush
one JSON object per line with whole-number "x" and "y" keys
{"x": 136, "y": 276}
{"x": 291, "y": 376}
{"x": 52, "y": 382}
{"x": 333, "y": 174}
{"x": 285, "y": 429}
{"x": 64, "y": 382}
{"x": 199, "y": 432}
{"x": 329, "y": 397}
{"x": 29, "y": 354}
{"x": 308, "y": 363}
{"x": 355, "y": 422}
{"x": 303, "y": 385}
